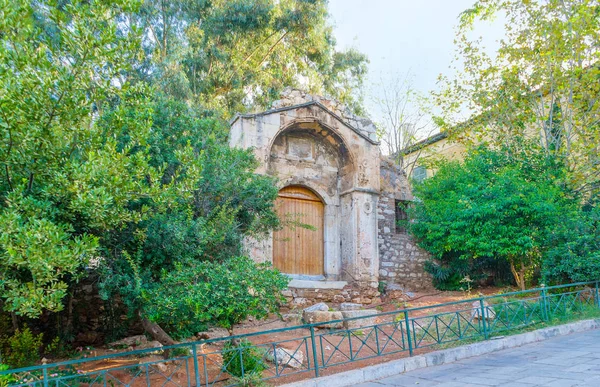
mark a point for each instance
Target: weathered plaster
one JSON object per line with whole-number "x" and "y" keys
{"x": 312, "y": 146}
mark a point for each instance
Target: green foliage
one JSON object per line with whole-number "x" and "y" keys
{"x": 100, "y": 171}
{"x": 234, "y": 55}
{"x": 22, "y": 349}
{"x": 541, "y": 83}
{"x": 214, "y": 293}
{"x": 209, "y": 200}
{"x": 6, "y": 380}
{"x": 575, "y": 255}
{"x": 242, "y": 359}
{"x": 63, "y": 181}
{"x": 497, "y": 204}
{"x": 448, "y": 271}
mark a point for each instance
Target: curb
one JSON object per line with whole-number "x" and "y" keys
{"x": 396, "y": 367}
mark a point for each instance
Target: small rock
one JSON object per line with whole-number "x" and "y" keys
{"x": 212, "y": 333}
{"x": 410, "y": 294}
{"x": 321, "y": 306}
{"x": 151, "y": 344}
{"x": 217, "y": 333}
{"x": 286, "y": 357}
{"x": 350, "y": 306}
{"x": 299, "y": 301}
{"x": 293, "y": 318}
{"x": 362, "y": 322}
{"x": 287, "y": 293}
{"x": 162, "y": 367}
{"x": 132, "y": 341}
{"x": 490, "y": 314}
{"x": 322, "y": 318}
{"x": 394, "y": 287}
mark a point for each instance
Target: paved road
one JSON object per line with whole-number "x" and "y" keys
{"x": 572, "y": 360}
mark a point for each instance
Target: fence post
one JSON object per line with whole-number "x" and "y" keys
{"x": 410, "y": 347}
{"x": 545, "y": 315}
{"x": 314, "y": 350}
{"x": 597, "y": 296}
{"x": 196, "y": 368}
{"x": 483, "y": 318}
{"x": 45, "y": 377}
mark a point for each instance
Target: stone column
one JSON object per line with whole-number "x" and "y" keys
{"x": 360, "y": 250}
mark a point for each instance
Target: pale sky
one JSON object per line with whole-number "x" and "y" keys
{"x": 400, "y": 36}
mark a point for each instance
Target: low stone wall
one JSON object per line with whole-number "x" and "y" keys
{"x": 96, "y": 320}
{"x": 365, "y": 293}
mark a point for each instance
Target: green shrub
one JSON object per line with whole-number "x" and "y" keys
{"x": 22, "y": 349}
{"x": 575, "y": 256}
{"x": 5, "y": 380}
{"x": 214, "y": 293}
{"x": 243, "y": 355}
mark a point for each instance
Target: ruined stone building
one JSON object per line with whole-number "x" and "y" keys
{"x": 338, "y": 201}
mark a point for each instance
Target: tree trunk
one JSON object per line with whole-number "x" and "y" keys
{"x": 15, "y": 321}
{"x": 157, "y": 333}
{"x": 519, "y": 275}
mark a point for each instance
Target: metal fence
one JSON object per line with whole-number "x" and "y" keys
{"x": 293, "y": 353}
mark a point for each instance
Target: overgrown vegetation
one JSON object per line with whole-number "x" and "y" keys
{"x": 528, "y": 196}
{"x": 502, "y": 205}
{"x": 242, "y": 359}
{"x": 115, "y": 159}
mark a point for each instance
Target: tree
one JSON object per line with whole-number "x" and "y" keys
{"x": 404, "y": 117}
{"x": 238, "y": 55}
{"x": 494, "y": 205}
{"x": 173, "y": 268}
{"x": 64, "y": 180}
{"x": 100, "y": 172}
{"x": 541, "y": 83}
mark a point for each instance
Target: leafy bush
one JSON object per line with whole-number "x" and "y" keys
{"x": 242, "y": 356}
{"x": 22, "y": 349}
{"x": 5, "y": 380}
{"x": 499, "y": 203}
{"x": 215, "y": 293}
{"x": 575, "y": 256}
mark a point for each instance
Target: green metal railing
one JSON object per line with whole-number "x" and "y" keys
{"x": 287, "y": 353}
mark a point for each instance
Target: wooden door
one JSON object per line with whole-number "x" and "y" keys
{"x": 297, "y": 249}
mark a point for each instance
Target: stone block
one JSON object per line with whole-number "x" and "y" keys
{"x": 132, "y": 341}
{"x": 299, "y": 302}
{"x": 362, "y": 322}
{"x": 323, "y": 318}
{"x": 286, "y": 357}
{"x": 350, "y": 306}
{"x": 490, "y": 314}
{"x": 414, "y": 363}
{"x": 321, "y": 306}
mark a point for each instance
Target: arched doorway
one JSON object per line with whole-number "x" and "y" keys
{"x": 298, "y": 247}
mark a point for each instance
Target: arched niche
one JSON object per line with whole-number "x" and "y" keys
{"x": 311, "y": 155}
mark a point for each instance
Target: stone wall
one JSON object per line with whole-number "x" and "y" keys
{"x": 359, "y": 293}
{"x": 400, "y": 259}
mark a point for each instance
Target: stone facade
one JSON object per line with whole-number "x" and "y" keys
{"x": 400, "y": 259}
{"x": 315, "y": 143}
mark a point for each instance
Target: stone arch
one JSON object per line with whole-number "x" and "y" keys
{"x": 320, "y": 127}
{"x": 311, "y": 154}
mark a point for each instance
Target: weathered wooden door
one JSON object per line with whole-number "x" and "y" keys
{"x": 297, "y": 249}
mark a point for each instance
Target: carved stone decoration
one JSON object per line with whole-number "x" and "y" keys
{"x": 363, "y": 177}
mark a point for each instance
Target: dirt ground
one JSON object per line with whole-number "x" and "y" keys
{"x": 334, "y": 348}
